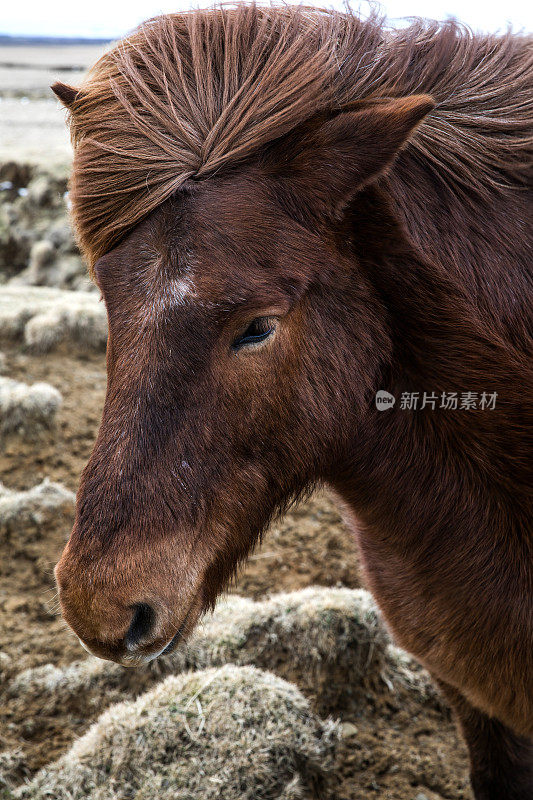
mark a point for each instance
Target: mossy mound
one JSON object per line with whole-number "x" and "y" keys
{"x": 43, "y": 318}
{"x": 220, "y": 734}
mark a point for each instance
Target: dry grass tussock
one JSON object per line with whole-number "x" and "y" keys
{"x": 34, "y": 507}
{"x": 10, "y": 762}
{"x": 328, "y": 641}
{"x": 43, "y": 318}
{"x": 219, "y": 734}
{"x": 27, "y": 409}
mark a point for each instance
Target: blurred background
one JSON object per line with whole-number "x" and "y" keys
{"x": 110, "y": 20}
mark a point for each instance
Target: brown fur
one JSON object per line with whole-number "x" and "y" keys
{"x": 267, "y": 163}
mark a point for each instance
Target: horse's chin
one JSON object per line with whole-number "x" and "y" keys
{"x": 138, "y": 659}
{"x": 171, "y": 646}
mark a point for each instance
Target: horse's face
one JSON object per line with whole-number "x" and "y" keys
{"x": 242, "y": 340}
{"x": 226, "y": 357}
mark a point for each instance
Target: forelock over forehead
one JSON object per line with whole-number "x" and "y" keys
{"x": 216, "y": 243}
{"x": 187, "y": 94}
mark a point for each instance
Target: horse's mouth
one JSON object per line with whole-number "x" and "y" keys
{"x": 140, "y": 658}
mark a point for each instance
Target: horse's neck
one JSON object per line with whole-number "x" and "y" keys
{"x": 483, "y": 243}
{"x": 415, "y": 466}
{"x": 440, "y": 504}
{"x": 440, "y": 496}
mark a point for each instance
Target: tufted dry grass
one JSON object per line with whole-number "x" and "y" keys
{"x": 44, "y": 318}
{"x": 33, "y": 507}
{"x": 219, "y": 734}
{"x": 27, "y": 409}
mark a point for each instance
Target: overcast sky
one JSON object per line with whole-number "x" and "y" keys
{"x": 113, "y": 18}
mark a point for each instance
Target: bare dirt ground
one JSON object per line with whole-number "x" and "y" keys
{"x": 394, "y": 748}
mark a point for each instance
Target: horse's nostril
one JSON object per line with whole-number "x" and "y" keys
{"x": 140, "y": 626}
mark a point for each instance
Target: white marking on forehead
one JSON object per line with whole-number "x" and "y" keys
{"x": 171, "y": 294}
{"x": 163, "y": 293}
{"x": 178, "y": 290}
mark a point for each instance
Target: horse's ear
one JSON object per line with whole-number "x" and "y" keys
{"x": 339, "y": 156}
{"x": 67, "y": 94}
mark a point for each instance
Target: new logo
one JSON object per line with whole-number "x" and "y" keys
{"x": 384, "y": 400}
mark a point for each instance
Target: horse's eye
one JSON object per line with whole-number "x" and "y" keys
{"x": 257, "y": 331}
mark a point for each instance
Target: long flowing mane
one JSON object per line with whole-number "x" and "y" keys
{"x": 188, "y": 94}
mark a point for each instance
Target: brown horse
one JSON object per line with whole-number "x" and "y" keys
{"x": 288, "y": 210}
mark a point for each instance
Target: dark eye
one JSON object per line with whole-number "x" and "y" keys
{"x": 257, "y": 331}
